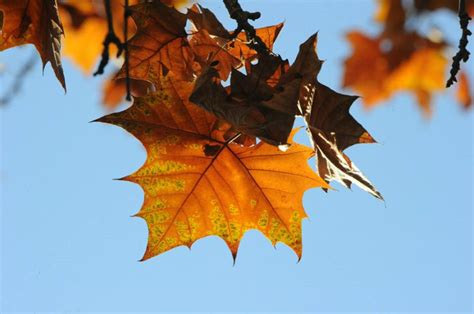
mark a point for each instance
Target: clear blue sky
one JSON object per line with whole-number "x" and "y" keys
{"x": 69, "y": 244}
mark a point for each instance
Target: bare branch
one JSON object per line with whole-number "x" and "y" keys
{"x": 242, "y": 18}
{"x": 463, "y": 53}
{"x": 110, "y": 38}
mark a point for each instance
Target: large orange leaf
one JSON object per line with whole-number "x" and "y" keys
{"x": 196, "y": 185}
{"x": 34, "y": 22}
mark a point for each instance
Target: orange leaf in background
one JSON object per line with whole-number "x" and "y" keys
{"x": 90, "y": 33}
{"x": 464, "y": 93}
{"x": 399, "y": 59}
{"x": 85, "y": 24}
{"x": 114, "y": 91}
{"x": 392, "y": 13}
{"x": 422, "y": 74}
{"x": 398, "y": 69}
{"x": 196, "y": 186}
{"x": 34, "y": 22}
{"x": 366, "y": 55}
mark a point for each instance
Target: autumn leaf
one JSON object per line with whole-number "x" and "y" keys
{"x": 423, "y": 73}
{"x": 333, "y": 129}
{"x": 212, "y": 42}
{"x": 84, "y": 28}
{"x": 114, "y": 90}
{"x": 464, "y": 92}
{"x": 207, "y": 49}
{"x": 392, "y": 14}
{"x": 418, "y": 70}
{"x": 294, "y": 88}
{"x": 267, "y": 34}
{"x": 244, "y": 110}
{"x": 34, "y": 22}
{"x": 400, "y": 59}
{"x": 85, "y": 25}
{"x": 204, "y": 19}
{"x": 330, "y": 125}
{"x": 196, "y": 186}
{"x": 160, "y": 44}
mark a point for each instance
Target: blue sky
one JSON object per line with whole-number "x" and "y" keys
{"x": 69, "y": 243}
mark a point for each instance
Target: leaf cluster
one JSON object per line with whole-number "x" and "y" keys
{"x": 221, "y": 159}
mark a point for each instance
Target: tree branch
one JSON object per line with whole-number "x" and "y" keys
{"x": 463, "y": 53}
{"x": 242, "y": 18}
{"x": 110, "y": 38}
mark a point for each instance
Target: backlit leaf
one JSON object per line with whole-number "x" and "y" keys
{"x": 196, "y": 185}
{"x": 160, "y": 44}
{"x": 34, "y": 22}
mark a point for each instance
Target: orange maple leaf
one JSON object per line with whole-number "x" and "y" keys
{"x": 196, "y": 185}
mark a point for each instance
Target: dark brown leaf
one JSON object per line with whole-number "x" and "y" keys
{"x": 246, "y": 114}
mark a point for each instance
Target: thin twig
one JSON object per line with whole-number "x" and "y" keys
{"x": 242, "y": 18}
{"x": 463, "y": 53}
{"x": 110, "y": 38}
{"x": 126, "y": 14}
